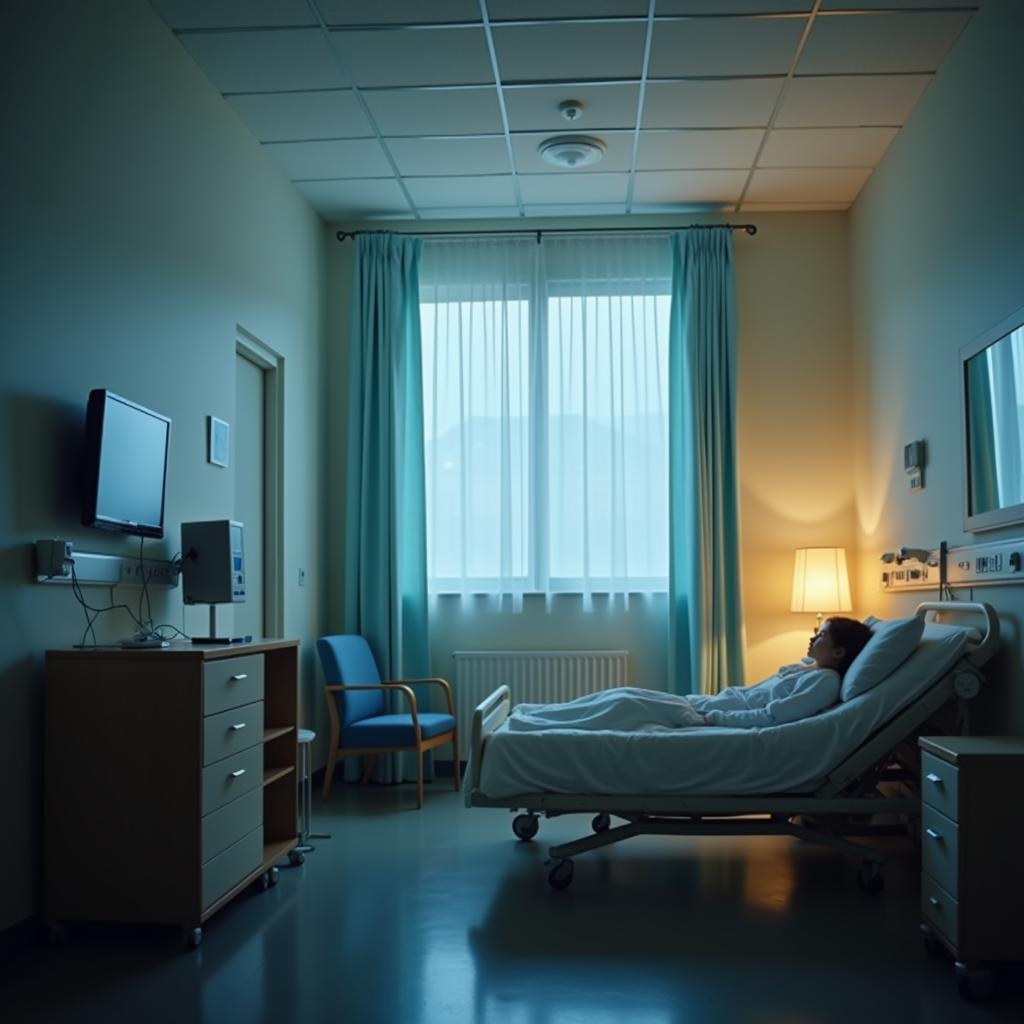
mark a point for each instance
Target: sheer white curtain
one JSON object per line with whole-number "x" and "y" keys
{"x": 546, "y": 413}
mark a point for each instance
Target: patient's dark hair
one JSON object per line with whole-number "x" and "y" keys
{"x": 852, "y": 635}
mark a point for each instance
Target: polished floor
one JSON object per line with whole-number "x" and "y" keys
{"x": 407, "y": 918}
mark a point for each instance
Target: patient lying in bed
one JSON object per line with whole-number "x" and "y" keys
{"x": 794, "y": 692}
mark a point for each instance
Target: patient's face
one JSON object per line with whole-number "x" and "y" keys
{"x": 822, "y": 649}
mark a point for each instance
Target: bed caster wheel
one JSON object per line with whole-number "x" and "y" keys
{"x": 560, "y": 876}
{"x": 871, "y": 878}
{"x": 273, "y": 875}
{"x": 525, "y": 826}
{"x": 601, "y": 823}
{"x": 296, "y": 858}
{"x": 974, "y": 983}
{"x": 263, "y": 882}
{"x": 194, "y": 937}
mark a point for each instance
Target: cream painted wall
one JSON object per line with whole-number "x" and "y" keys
{"x": 142, "y": 222}
{"x": 795, "y": 408}
{"x": 935, "y": 261}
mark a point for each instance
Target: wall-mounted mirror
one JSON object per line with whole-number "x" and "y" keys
{"x": 992, "y": 378}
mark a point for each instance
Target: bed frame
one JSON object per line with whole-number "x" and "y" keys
{"x": 839, "y": 808}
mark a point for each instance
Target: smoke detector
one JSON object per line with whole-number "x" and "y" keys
{"x": 570, "y": 109}
{"x": 572, "y": 151}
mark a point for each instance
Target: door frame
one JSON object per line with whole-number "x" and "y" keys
{"x": 271, "y": 363}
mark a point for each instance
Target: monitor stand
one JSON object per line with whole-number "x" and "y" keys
{"x": 214, "y": 639}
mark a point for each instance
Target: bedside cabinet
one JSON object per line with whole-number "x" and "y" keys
{"x": 972, "y": 896}
{"x": 170, "y": 781}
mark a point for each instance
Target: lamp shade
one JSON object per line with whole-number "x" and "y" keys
{"x": 820, "y": 581}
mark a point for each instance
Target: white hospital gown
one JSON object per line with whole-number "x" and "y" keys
{"x": 794, "y": 692}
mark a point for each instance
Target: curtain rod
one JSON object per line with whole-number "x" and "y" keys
{"x": 751, "y": 229}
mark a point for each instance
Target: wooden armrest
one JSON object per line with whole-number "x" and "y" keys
{"x": 443, "y": 683}
{"x": 382, "y": 686}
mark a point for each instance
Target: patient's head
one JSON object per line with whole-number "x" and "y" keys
{"x": 838, "y": 642}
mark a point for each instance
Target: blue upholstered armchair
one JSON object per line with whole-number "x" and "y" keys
{"x": 360, "y": 722}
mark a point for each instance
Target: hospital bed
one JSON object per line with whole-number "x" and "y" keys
{"x": 817, "y": 779}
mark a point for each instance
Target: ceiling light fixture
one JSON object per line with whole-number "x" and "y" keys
{"x": 572, "y": 151}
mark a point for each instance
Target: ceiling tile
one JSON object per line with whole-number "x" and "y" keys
{"x": 850, "y": 100}
{"x": 353, "y": 158}
{"x": 575, "y": 209}
{"x": 868, "y": 5}
{"x": 265, "y": 61}
{"x": 666, "y": 7}
{"x": 290, "y": 116}
{"x": 604, "y": 107}
{"x": 582, "y": 188}
{"x": 697, "y": 149}
{"x": 334, "y": 200}
{"x": 435, "y": 111}
{"x": 745, "y": 103}
{"x": 826, "y": 147}
{"x": 450, "y": 156}
{"x": 724, "y": 46}
{"x": 232, "y": 14}
{"x": 801, "y": 207}
{"x": 832, "y": 185}
{"x": 618, "y": 156}
{"x": 467, "y": 212}
{"x": 689, "y": 186}
{"x": 394, "y": 12}
{"x": 560, "y": 52}
{"x": 416, "y": 56}
{"x": 880, "y": 43}
{"x": 511, "y": 10}
{"x": 462, "y": 191}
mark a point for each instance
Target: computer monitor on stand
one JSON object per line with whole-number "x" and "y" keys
{"x": 213, "y": 570}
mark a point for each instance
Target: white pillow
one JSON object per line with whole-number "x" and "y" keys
{"x": 892, "y": 643}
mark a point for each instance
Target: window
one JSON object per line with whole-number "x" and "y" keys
{"x": 546, "y": 414}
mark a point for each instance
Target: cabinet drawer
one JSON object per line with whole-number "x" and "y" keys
{"x": 940, "y": 846}
{"x": 231, "y": 778}
{"x": 230, "y": 867}
{"x": 232, "y": 731}
{"x": 231, "y": 682}
{"x": 940, "y": 785}
{"x": 231, "y": 823}
{"x": 940, "y": 910}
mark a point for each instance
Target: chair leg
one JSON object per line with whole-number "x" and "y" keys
{"x": 455, "y": 750}
{"x": 332, "y": 760}
{"x": 419, "y": 781}
{"x": 368, "y": 762}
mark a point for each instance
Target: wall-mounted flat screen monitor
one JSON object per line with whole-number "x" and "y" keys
{"x": 992, "y": 369}
{"x": 125, "y": 465}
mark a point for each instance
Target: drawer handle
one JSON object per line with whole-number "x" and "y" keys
{"x": 238, "y": 678}
{"x": 932, "y": 834}
{"x": 237, "y": 727}
{"x": 934, "y": 779}
{"x": 933, "y": 901}
{"x": 238, "y": 774}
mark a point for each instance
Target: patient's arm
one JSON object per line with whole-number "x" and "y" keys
{"x": 816, "y": 690}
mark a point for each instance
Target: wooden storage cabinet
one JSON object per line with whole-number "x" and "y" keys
{"x": 170, "y": 779}
{"x": 972, "y": 898}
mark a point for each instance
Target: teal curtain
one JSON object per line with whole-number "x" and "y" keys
{"x": 981, "y": 419}
{"x": 385, "y": 518}
{"x": 706, "y": 652}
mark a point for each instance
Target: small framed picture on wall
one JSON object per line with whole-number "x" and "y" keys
{"x": 218, "y": 441}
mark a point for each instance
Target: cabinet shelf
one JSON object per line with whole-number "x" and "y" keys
{"x": 274, "y": 772}
{"x": 272, "y": 733}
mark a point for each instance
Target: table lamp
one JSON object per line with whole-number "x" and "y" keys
{"x": 820, "y": 582}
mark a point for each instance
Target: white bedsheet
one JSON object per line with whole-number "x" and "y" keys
{"x": 710, "y": 761}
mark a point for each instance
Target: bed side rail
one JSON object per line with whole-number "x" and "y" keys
{"x": 489, "y": 714}
{"x": 978, "y": 651}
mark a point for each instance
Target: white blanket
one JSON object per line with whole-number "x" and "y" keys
{"x": 622, "y": 709}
